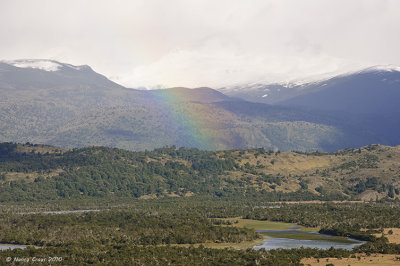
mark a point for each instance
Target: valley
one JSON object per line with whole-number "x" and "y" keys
{"x": 92, "y": 172}
{"x": 187, "y": 205}
{"x": 195, "y": 133}
{"x": 191, "y": 230}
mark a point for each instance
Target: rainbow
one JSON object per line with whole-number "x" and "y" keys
{"x": 193, "y": 126}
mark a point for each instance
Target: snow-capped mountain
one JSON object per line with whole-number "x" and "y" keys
{"x": 42, "y": 64}
{"x": 274, "y": 93}
{"x": 374, "y": 90}
{"x": 45, "y": 101}
{"x": 381, "y": 68}
{"x": 264, "y": 93}
{"x": 20, "y": 74}
{"x": 371, "y": 96}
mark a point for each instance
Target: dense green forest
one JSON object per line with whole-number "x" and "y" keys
{"x": 115, "y": 228}
{"x": 36, "y": 172}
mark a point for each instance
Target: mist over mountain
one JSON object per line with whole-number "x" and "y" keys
{"x": 45, "y": 101}
{"x": 374, "y": 90}
{"x": 374, "y": 84}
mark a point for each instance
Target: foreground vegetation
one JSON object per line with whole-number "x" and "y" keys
{"x": 149, "y": 255}
{"x": 148, "y": 231}
{"x": 168, "y": 206}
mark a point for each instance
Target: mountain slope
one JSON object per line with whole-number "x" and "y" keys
{"x": 264, "y": 93}
{"x": 371, "y": 90}
{"x": 374, "y": 90}
{"x": 368, "y": 99}
{"x": 371, "y": 96}
{"x": 50, "y": 102}
{"x": 24, "y": 74}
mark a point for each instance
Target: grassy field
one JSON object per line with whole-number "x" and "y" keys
{"x": 393, "y": 237}
{"x": 359, "y": 260}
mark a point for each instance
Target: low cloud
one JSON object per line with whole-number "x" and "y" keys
{"x": 156, "y": 43}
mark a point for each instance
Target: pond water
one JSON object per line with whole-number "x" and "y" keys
{"x": 294, "y": 238}
{"x": 287, "y": 243}
{"x": 10, "y": 246}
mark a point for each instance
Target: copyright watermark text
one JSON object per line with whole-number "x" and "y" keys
{"x": 34, "y": 259}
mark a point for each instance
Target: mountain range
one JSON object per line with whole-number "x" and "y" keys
{"x": 371, "y": 90}
{"x": 45, "y": 101}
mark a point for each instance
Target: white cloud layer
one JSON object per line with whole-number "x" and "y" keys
{"x": 192, "y": 43}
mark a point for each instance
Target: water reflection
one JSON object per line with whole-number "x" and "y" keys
{"x": 9, "y": 246}
{"x": 287, "y": 243}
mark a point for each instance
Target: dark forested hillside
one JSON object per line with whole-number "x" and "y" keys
{"x": 37, "y": 172}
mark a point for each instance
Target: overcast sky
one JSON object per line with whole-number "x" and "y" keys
{"x": 212, "y": 43}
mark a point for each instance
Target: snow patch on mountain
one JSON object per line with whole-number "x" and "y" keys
{"x": 46, "y": 65}
{"x": 388, "y": 68}
{"x": 42, "y": 64}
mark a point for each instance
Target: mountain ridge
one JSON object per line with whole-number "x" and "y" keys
{"x": 261, "y": 92}
{"x": 77, "y": 108}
